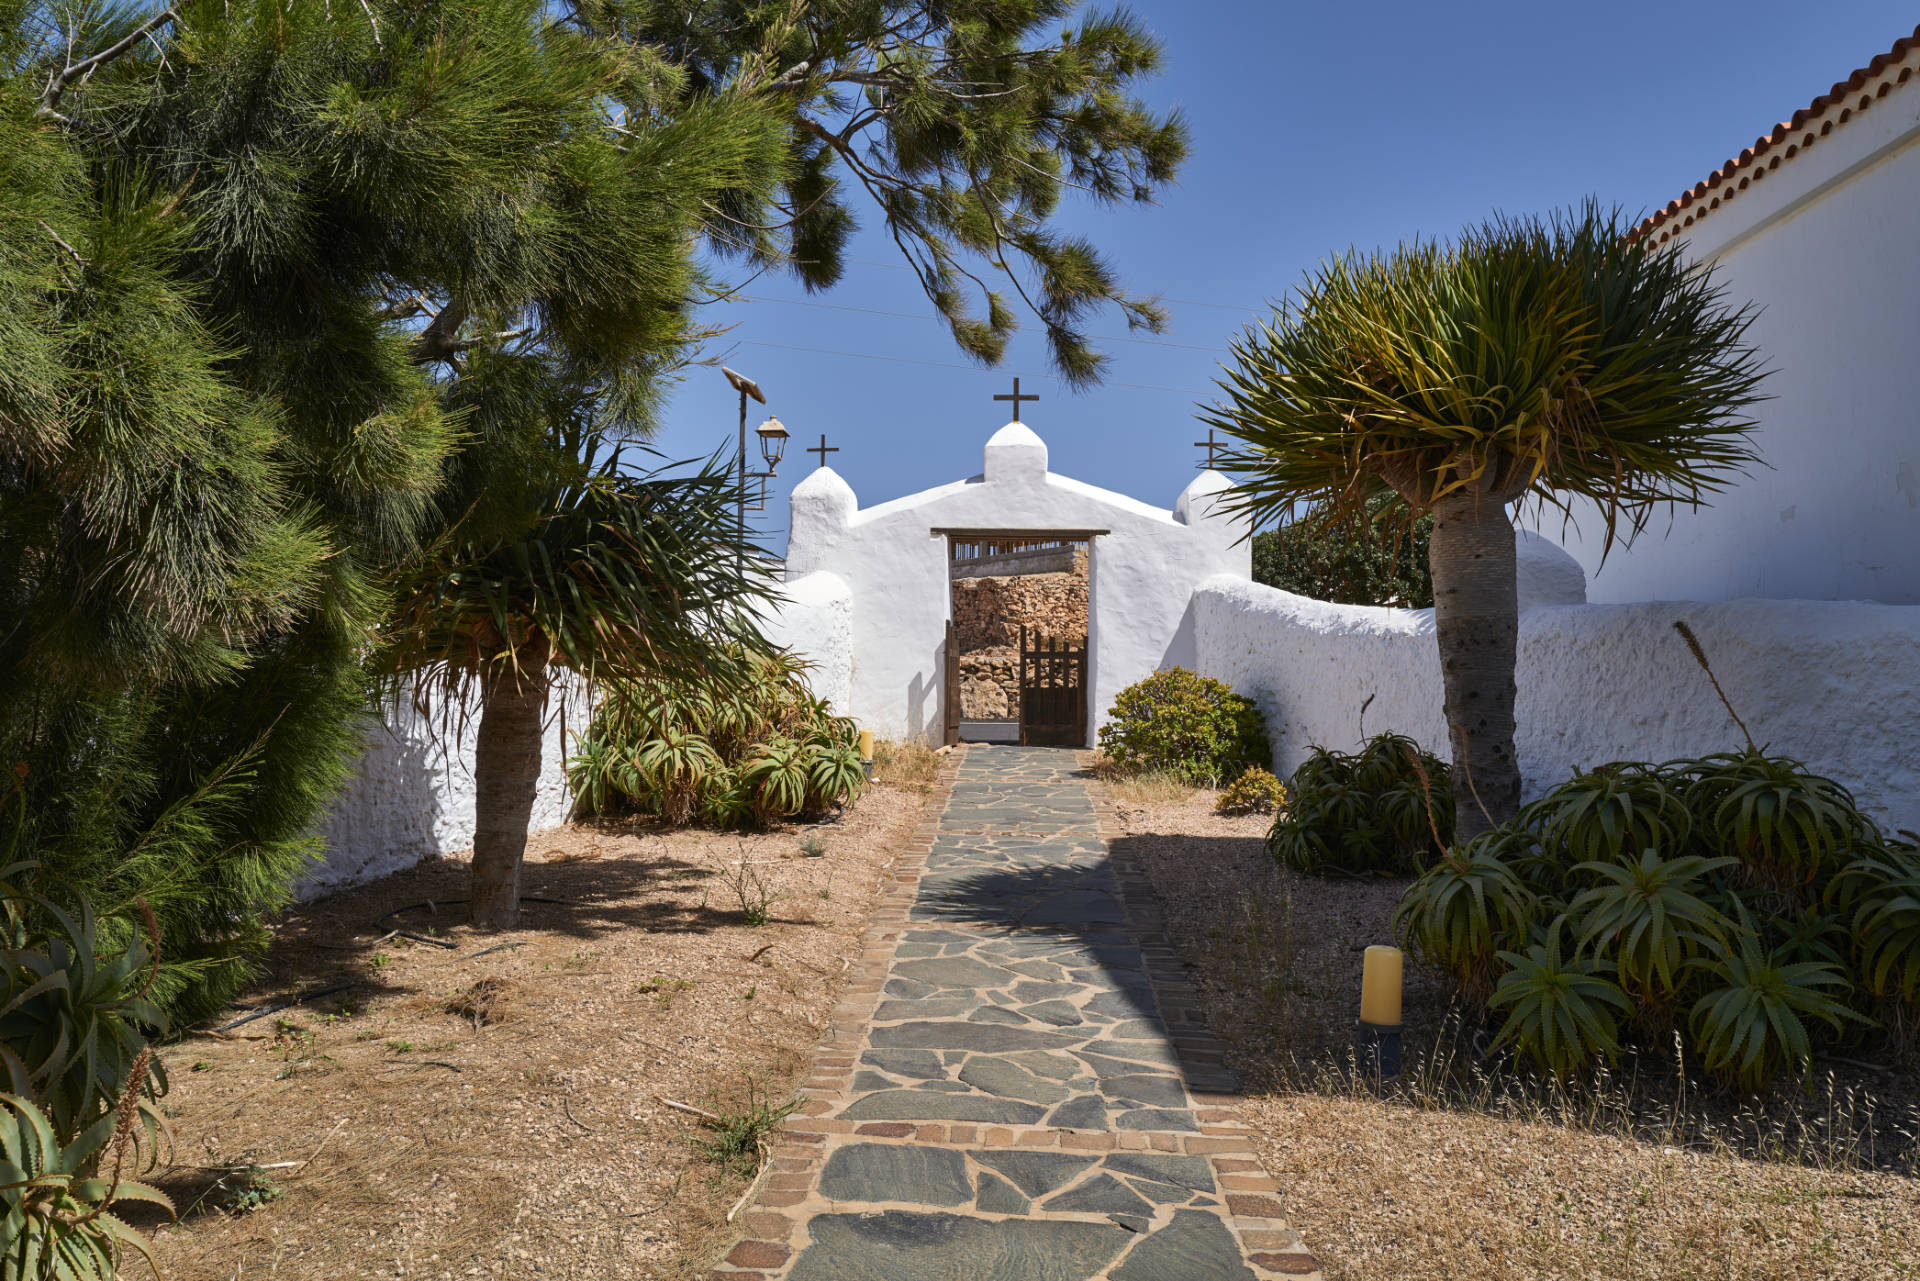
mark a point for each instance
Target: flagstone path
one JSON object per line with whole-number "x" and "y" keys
{"x": 1019, "y": 1086}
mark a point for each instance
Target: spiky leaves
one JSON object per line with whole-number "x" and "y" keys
{"x": 1651, "y": 916}
{"x": 1467, "y": 910}
{"x": 746, "y": 744}
{"x": 1559, "y": 360}
{"x": 1754, "y": 1025}
{"x": 964, "y": 125}
{"x": 56, "y": 1222}
{"x": 1562, "y": 1009}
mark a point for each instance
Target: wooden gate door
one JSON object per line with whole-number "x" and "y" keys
{"x": 950, "y": 690}
{"x": 1053, "y": 691}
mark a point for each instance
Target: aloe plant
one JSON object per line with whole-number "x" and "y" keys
{"x": 1465, "y": 910}
{"x": 1608, "y": 813}
{"x": 674, "y": 766}
{"x": 1788, "y": 827}
{"x": 74, "y": 1009}
{"x": 1386, "y": 808}
{"x": 1886, "y": 924}
{"x": 775, "y": 774}
{"x": 1752, "y": 1025}
{"x": 701, "y": 751}
{"x": 1563, "y": 1012}
{"x": 1648, "y": 919}
{"x": 834, "y": 772}
{"x": 56, "y": 1211}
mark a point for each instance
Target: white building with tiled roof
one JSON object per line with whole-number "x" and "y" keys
{"x": 1818, "y": 224}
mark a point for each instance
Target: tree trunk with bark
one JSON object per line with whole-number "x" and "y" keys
{"x": 506, "y": 770}
{"x": 1477, "y": 623}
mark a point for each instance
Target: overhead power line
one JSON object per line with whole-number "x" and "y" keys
{"x": 914, "y": 315}
{"x": 944, "y": 364}
{"x": 1185, "y": 302}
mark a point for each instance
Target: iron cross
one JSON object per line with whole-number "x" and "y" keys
{"x": 823, "y": 449}
{"x": 1212, "y": 447}
{"x": 1016, "y": 398}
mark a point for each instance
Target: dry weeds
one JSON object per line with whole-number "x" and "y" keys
{"x": 1128, "y": 787}
{"x": 1462, "y": 1173}
{"x": 910, "y": 765}
{"x": 492, "y": 1110}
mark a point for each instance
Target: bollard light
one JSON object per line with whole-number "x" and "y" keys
{"x": 866, "y": 752}
{"x": 1378, "y": 1038}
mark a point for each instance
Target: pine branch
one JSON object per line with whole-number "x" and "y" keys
{"x": 57, "y": 84}
{"x": 70, "y": 250}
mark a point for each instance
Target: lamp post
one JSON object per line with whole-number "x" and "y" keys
{"x": 773, "y": 443}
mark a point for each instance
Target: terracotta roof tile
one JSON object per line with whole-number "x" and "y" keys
{"x": 1731, "y": 178}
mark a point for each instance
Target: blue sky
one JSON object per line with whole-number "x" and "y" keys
{"x": 1315, "y": 128}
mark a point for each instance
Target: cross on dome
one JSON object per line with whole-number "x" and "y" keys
{"x": 1016, "y": 398}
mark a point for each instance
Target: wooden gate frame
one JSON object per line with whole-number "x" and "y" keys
{"x": 950, "y": 689}
{"x": 950, "y": 658}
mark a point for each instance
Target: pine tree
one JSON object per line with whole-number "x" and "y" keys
{"x": 962, "y": 124}
{"x": 219, "y": 441}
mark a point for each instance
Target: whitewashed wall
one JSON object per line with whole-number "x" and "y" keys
{"x": 1823, "y": 244}
{"x": 815, "y": 620}
{"x": 412, "y": 794}
{"x": 1141, "y": 573}
{"x": 1830, "y": 683}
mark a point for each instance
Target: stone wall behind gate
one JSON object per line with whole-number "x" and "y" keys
{"x": 990, "y": 611}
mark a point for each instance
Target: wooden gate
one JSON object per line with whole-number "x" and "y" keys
{"x": 1053, "y": 691}
{"x": 950, "y": 689}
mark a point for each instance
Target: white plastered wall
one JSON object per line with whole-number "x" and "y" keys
{"x": 1829, "y": 683}
{"x": 412, "y": 794}
{"x": 1823, "y": 244}
{"x": 814, "y": 619}
{"x": 1141, "y": 573}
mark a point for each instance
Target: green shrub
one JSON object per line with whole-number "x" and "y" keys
{"x": 751, "y": 752}
{"x": 1255, "y": 792}
{"x": 1377, "y": 810}
{"x": 1735, "y": 901}
{"x": 1181, "y": 723}
{"x": 1563, "y": 1008}
{"x": 1378, "y": 557}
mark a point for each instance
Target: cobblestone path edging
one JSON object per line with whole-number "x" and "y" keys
{"x": 1018, "y": 1085}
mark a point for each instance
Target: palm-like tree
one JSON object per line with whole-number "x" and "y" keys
{"x": 1557, "y": 360}
{"x": 566, "y": 556}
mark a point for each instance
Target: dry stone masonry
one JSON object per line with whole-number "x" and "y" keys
{"x": 989, "y": 612}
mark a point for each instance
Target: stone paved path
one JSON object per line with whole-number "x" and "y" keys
{"x": 1019, "y": 1087}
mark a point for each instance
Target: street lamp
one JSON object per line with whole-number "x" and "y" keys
{"x": 773, "y": 443}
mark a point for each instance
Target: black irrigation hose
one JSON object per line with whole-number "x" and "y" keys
{"x": 278, "y": 1006}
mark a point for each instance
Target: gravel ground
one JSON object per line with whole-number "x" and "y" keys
{"x": 1484, "y": 1178}
{"x": 517, "y": 1130}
